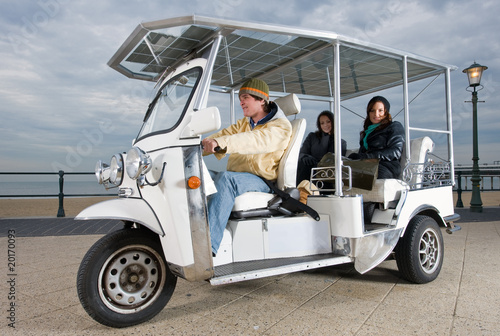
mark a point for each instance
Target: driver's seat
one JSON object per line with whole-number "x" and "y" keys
{"x": 252, "y": 204}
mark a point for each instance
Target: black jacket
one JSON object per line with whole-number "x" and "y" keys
{"x": 386, "y": 145}
{"x": 317, "y": 147}
{"x": 312, "y": 151}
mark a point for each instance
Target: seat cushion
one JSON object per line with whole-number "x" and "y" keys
{"x": 384, "y": 191}
{"x": 252, "y": 200}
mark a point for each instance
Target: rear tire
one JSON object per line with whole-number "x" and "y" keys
{"x": 419, "y": 253}
{"x": 124, "y": 280}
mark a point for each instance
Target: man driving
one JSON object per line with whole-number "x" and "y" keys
{"x": 256, "y": 144}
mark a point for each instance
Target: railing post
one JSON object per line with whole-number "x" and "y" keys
{"x": 60, "y": 211}
{"x": 460, "y": 204}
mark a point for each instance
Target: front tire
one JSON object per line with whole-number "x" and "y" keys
{"x": 124, "y": 280}
{"x": 419, "y": 253}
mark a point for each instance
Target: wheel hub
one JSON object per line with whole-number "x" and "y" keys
{"x": 130, "y": 279}
{"x": 429, "y": 250}
{"x": 133, "y": 278}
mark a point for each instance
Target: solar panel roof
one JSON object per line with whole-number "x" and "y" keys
{"x": 289, "y": 59}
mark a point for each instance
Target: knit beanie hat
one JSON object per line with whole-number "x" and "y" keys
{"x": 382, "y": 100}
{"x": 255, "y": 87}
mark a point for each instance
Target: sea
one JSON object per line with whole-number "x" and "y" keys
{"x": 32, "y": 189}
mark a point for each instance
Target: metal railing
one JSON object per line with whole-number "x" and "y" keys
{"x": 487, "y": 173}
{"x": 462, "y": 174}
{"x": 60, "y": 195}
{"x": 415, "y": 176}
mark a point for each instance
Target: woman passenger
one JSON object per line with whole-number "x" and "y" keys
{"x": 316, "y": 145}
{"x": 381, "y": 138}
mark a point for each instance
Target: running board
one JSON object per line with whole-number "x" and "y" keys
{"x": 249, "y": 270}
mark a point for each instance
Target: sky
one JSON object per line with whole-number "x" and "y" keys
{"x": 62, "y": 107}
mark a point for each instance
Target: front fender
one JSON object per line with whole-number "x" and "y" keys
{"x": 127, "y": 209}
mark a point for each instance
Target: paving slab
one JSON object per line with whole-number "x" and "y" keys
{"x": 463, "y": 300}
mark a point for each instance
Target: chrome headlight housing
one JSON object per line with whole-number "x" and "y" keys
{"x": 137, "y": 163}
{"x": 116, "y": 169}
{"x": 102, "y": 172}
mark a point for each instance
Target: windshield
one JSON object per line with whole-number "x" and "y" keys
{"x": 167, "y": 108}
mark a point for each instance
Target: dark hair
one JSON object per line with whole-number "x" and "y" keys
{"x": 318, "y": 124}
{"x": 387, "y": 118}
{"x": 266, "y": 107}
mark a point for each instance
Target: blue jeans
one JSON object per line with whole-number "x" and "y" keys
{"x": 229, "y": 186}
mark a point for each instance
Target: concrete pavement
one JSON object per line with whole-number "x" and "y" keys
{"x": 463, "y": 300}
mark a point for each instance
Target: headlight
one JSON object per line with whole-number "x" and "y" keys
{"x": 138, "y": 163}
{"x": 116, "y": 169}
{"x": 102, "y": 172}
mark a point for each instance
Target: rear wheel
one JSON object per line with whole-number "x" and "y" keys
{"x": 419, "y": 253}
{"x": 124, "y": 279}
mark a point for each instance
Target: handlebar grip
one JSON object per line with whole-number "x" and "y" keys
{"x": 216, "y": 149}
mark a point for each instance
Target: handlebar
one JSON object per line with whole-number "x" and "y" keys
{"x": 216, "y": 149}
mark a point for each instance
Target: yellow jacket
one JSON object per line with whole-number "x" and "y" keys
{"x": 257, "y": 151}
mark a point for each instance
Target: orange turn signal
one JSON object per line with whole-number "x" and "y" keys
{"x": 194, "y": 182}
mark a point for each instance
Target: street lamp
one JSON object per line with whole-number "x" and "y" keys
{"x": 474, "y": 73}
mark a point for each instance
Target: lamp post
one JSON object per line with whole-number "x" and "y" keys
{"x": 474, "y": 73}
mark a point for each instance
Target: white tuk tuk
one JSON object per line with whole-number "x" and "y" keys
{"x": 129, "y": 275}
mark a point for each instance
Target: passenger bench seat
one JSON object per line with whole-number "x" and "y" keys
{"x": 387, "y": 190}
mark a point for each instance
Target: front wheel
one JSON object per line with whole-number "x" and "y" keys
{"x": 419, "y": 253}
{"x": 124, "y": 280}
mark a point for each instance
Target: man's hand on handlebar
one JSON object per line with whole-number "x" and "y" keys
{"x": 210, "y": 145}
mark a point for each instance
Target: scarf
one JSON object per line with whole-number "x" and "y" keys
{"x": 370, "y": 129}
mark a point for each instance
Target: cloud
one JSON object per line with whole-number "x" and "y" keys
{"x": 57, "y": 90}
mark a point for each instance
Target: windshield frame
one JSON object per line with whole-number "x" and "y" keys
{"x": 150, "y": 112}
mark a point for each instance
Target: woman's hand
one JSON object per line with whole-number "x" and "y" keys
{"x": 354, "y": 156}
{"x": 309, "y": 160}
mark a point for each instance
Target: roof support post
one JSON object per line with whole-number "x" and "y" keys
{"x": 336, "y": 102}
{"x": 201, "y": 99}
{"x": 449, "y": 122}
{"x": 232, "y": 107}
{"x": 406, "y": 108}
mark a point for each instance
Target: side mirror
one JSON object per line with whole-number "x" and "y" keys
{"x": 203, "y": 121}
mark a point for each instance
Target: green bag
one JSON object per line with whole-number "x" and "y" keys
{"x": 364, "y": 172}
